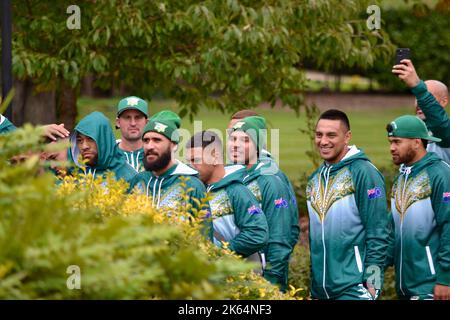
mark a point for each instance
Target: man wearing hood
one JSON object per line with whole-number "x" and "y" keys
{"x": 420, "y": 204}
{"x": 132, "y": 116}
{"x": 94, "y": 141}
{"x": 236, "y": 214}
{"x": 246, "y": 140}
{"x": 165, "y": 179}
{"x": 348, "y": 217}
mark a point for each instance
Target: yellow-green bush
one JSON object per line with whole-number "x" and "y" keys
{"x": 123, "y": 247}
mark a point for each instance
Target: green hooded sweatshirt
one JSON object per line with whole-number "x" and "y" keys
{"x": 421, "y": 210}
{"x": 97, "y": 127}
{"x": 266, "y": 157}
{"x": 167, "y": 190}
{"x": 282, "y": 218}
{"x": 437, "y": 121}
{"x": 134, "y": 158}
{"x": 348, "y": 225}
{"x": 6, "y": 125}
{"x": 237, "y": 215}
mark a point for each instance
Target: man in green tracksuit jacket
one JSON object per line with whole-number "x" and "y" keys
{"x": 244, "y": 147}
{"x": 237, "y": 216}
{"x": 94, "y": 141}
{"x": 431, "y": 99}
{"x": 420, "y": 207}
{"x": 265, "y": 155}
{"x": 132, "y": 116}
{"x": 6, "y": 125}
{"x": 164, "y": 176}
{"x": 348, "y": 217}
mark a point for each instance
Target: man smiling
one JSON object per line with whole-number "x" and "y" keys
{"x": 348, "y": 216}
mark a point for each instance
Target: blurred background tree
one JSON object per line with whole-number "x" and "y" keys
{"x": 219, "y": 54}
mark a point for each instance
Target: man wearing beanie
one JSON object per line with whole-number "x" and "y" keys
{"x": 348, "y": 216}
{"x": 93, "y": 140}
{"x": 164, "y": 176}
{"x": 132, "y": 116}
{"x": 420, "y": 204}
{"x": 246, "y": 140}
{"x": 265, "y": 155}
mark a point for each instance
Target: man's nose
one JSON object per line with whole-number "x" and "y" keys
{"x": 84, "y": 145}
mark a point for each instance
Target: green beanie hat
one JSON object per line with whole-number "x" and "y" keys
{"x": 410, "y": 127}
{"x": 252, "y": 126}
{"x": 166, "y": 123}
{"x": 134, "y": 103}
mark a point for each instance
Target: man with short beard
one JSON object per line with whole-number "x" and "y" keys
{"x": 162, "y": 179}
{"x": 132, "y": 114}
{"x": 420, "y": 204}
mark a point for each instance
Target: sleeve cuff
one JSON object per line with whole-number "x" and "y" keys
{"x": 420, "y": 89}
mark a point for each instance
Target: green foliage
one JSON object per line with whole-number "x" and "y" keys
{"x": 123, "y": 247}
{"x": 423, "y": 30}
{"x": 220, "y": 54}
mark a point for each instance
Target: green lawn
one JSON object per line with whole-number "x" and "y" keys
{"x": 368, "y": 127}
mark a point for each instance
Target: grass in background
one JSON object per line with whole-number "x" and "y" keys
{"x": 368, "y": 128}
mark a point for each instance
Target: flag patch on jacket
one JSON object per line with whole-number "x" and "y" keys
{"x": 446, "y": 197}
{"x": 280, "y": 203}
{"x": 254, "y": 210}
{"x": 374, "y": 193}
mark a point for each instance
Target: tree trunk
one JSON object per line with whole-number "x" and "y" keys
{"x": 67, "y": 106}
{"x": 33, "y": 107}
{"x": 87, "y": 86}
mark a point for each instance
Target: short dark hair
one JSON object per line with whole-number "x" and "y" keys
{"x": 424, "y": 142}
{"x": 244, "y": 114}
{"x": 203, "y": 139}
{"x": 334, "y": 114}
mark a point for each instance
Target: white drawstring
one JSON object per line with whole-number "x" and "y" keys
{"x": 326, "y": 182}
{"x": 132, "y": 160}
{"x": 159, "y": 193}
{"x": 126, "y": 155}
{"x": 404, "y": 170}
{"x": 92, "y": 172}
{"x": 137, "y": 161}
{"x": 154, "y": 191}
{"x": 209, "y": 188}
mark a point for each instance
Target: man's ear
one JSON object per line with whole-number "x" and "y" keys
{"x": 348, "y": 136}
{"x": 444, "y": 102}
{"x": 117, "y": 123}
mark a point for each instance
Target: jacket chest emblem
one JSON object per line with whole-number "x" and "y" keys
{"x": 407, "y": 191}
{"x": 323, "y": 193}
{"x": 220, "y": 204}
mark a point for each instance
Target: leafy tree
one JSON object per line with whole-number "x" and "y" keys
{"x": 221, "y": 54}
